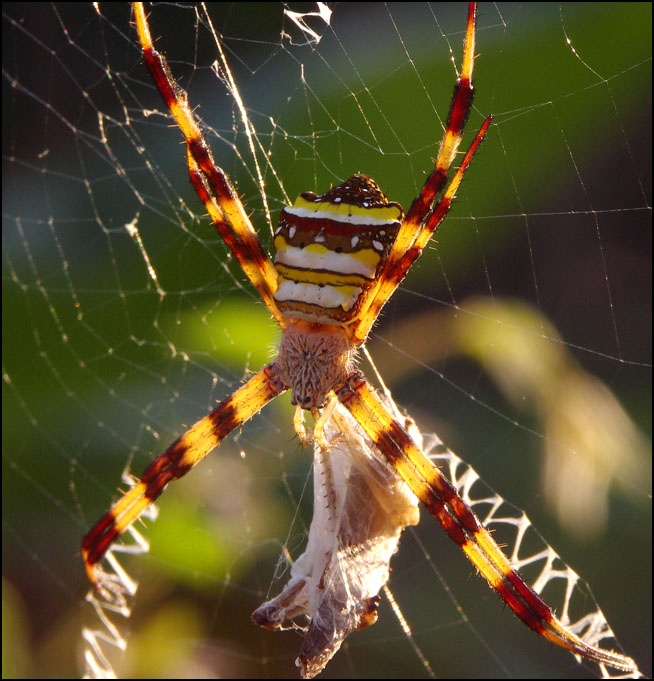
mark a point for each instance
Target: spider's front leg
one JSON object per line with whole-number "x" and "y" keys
{"x": 461, "y": 524}
{"x": 181, "y": 456}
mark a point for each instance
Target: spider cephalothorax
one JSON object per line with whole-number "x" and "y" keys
{"x": 313, "y": 359}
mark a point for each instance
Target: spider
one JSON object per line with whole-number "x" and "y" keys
{"x": 338, "y": 259}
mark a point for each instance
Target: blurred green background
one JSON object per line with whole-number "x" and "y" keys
{"x": 109, "y": 354}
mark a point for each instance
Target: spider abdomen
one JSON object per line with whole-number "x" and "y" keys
{"x": 330, "y": 249}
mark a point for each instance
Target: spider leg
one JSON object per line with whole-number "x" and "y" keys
{"x": 179, "y": 458}
{"x": 423, "y": 218}
{"x": 210, "y": 182}
{"x": 461, "y": 524}
{"x": 391, "y": 277}
{"x": 456, "y": 120}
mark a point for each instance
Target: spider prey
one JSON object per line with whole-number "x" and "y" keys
{"x": 338, "y": 258}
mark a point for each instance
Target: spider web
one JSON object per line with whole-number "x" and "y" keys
{"x": 125, "y": 320}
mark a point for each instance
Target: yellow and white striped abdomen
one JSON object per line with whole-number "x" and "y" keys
{"x": 329, "y": 250}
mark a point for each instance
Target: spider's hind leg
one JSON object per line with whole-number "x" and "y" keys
{"x": 424, "y": 215}
{"x": 211, "y": 184}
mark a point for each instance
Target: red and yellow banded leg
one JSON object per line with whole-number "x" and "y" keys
{"x": 456, "y": 120}
{"x": 181, "y": 456}
{"x": 391, "y": 278}
{"x": 461, "y": 524}
{"x": 423, "y": 218}
{"x": 210, "y": 182}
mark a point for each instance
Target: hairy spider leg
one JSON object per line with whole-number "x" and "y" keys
{"x": 461, "y": 524}
{"x": 185, "y": 453}
{"x": 391, "y": 278}
{"x": 423, "y": 218}
{"x": 210, "y": 182}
